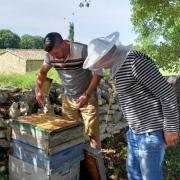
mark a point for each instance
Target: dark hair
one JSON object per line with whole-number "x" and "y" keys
{"x": 51, "y": 41}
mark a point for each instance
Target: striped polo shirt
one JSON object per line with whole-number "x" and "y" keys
{"x": 147, "y": 100}
{"x": 74, "y": 78}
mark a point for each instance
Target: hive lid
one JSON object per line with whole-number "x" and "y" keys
{"x": 47, "y": 122}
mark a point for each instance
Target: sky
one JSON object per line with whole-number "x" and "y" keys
{"x": 39, "y": 17}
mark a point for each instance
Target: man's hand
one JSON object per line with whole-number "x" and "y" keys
{"x": 39, "y": 82}
{"x": 39, "y": 96}
{"x": 171, "y": 138}
{"x": 83, "y": 100}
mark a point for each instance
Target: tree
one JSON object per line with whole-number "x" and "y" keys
{"x": 31, "y": 42}
{"x": 71, "y": 32}
{"x": 8, "y": 39}
{"x": 157, "y": 23}
{"x": 38, "y": 42}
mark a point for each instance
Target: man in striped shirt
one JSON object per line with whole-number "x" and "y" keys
{"x": 79, "y": 84}
{"x": 147, "y": 101}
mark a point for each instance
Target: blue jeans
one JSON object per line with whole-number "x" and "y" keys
{"x": 145, "y": 155}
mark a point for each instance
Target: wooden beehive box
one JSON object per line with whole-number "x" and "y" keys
{"x": 19, "y": 170}
{"x": 50, "y": 163}
{"x": 92, "y": 166}
{"x": 47, "y": 131}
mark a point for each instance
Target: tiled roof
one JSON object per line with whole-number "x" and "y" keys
{"x": 28, "y": 54}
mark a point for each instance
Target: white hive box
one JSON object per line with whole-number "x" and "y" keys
{"x": 21, "y": 170}
{"x": 48, "y": 132}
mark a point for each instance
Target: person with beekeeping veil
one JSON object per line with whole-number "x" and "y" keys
{"x": 147, "y": 100}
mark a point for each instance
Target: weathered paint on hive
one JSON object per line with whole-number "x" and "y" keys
{"x": 19, "y": 169}
{"x": 48, "y": 122}
{"x": 46, "y": 131}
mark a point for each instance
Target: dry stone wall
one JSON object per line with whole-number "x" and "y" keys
{"x": 15, "y": 102}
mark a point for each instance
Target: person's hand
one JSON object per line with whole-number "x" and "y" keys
{"x": 82, "y": 101}
{"x": 171, "y": 138}
{"x": 39, "y": 96}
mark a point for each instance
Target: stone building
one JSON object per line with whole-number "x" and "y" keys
{"x": 21, "y": 60}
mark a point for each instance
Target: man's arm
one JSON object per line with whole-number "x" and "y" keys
{"x": 145, "y": 72}
{"x": 83, "y": 99}
{"x": 39, "y": 82}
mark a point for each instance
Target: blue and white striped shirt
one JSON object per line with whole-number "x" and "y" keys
{"x": 148, "y": 101}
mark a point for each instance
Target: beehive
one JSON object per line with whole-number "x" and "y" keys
{"x": 47, "y": 132}
{"x": 19, "y": 170}
{"x": 51, "y": 163}
{"x": 46, "y": 147}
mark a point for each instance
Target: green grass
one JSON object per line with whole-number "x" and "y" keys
{"x": 168, "y": 73}
{"x": 172, "y": 163}
{"x": 25, "y": 81}
{"x": 2, "y": 51}
{"x": 28, "y": 80}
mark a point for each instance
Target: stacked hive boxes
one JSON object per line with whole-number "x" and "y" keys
{"x": 45, "y": 147}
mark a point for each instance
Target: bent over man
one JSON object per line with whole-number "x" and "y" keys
{"x": 148, "y": 103}
{"x": 79, "y": 84}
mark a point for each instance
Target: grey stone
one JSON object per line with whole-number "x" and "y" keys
{"x": 3, "y": 97}
{"x": 107, "y": 118}
{"x": 4, "y": 143}
{"x": 120, "y": 126}
{"x": 106, "y": 107}
{"x": 28, "y": 97}
{"x": 3, "y": 167}
{"x": 102, "y": 110}
{"x": 3, "y": 133}
{"x": 111, "y": 112}
{"x": 14, "y": 110}
{"x": 110, "y": 128}
{"x": 8, "y": 133}
{"x": 103, "y": 101}
{"x": 104, "y": 86}
{"x": 103, "y": 126}
{"x": 24, "y": 108}
{"x": 115, "y": 107}
{"x": 117, "y": 116}
{"x": 8, "y": 122}
{"x": 104, "y": 136}
{"x": 11, "y": 89}
{"x": 2, "y": 122}
{"x": 105, "y": 95}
